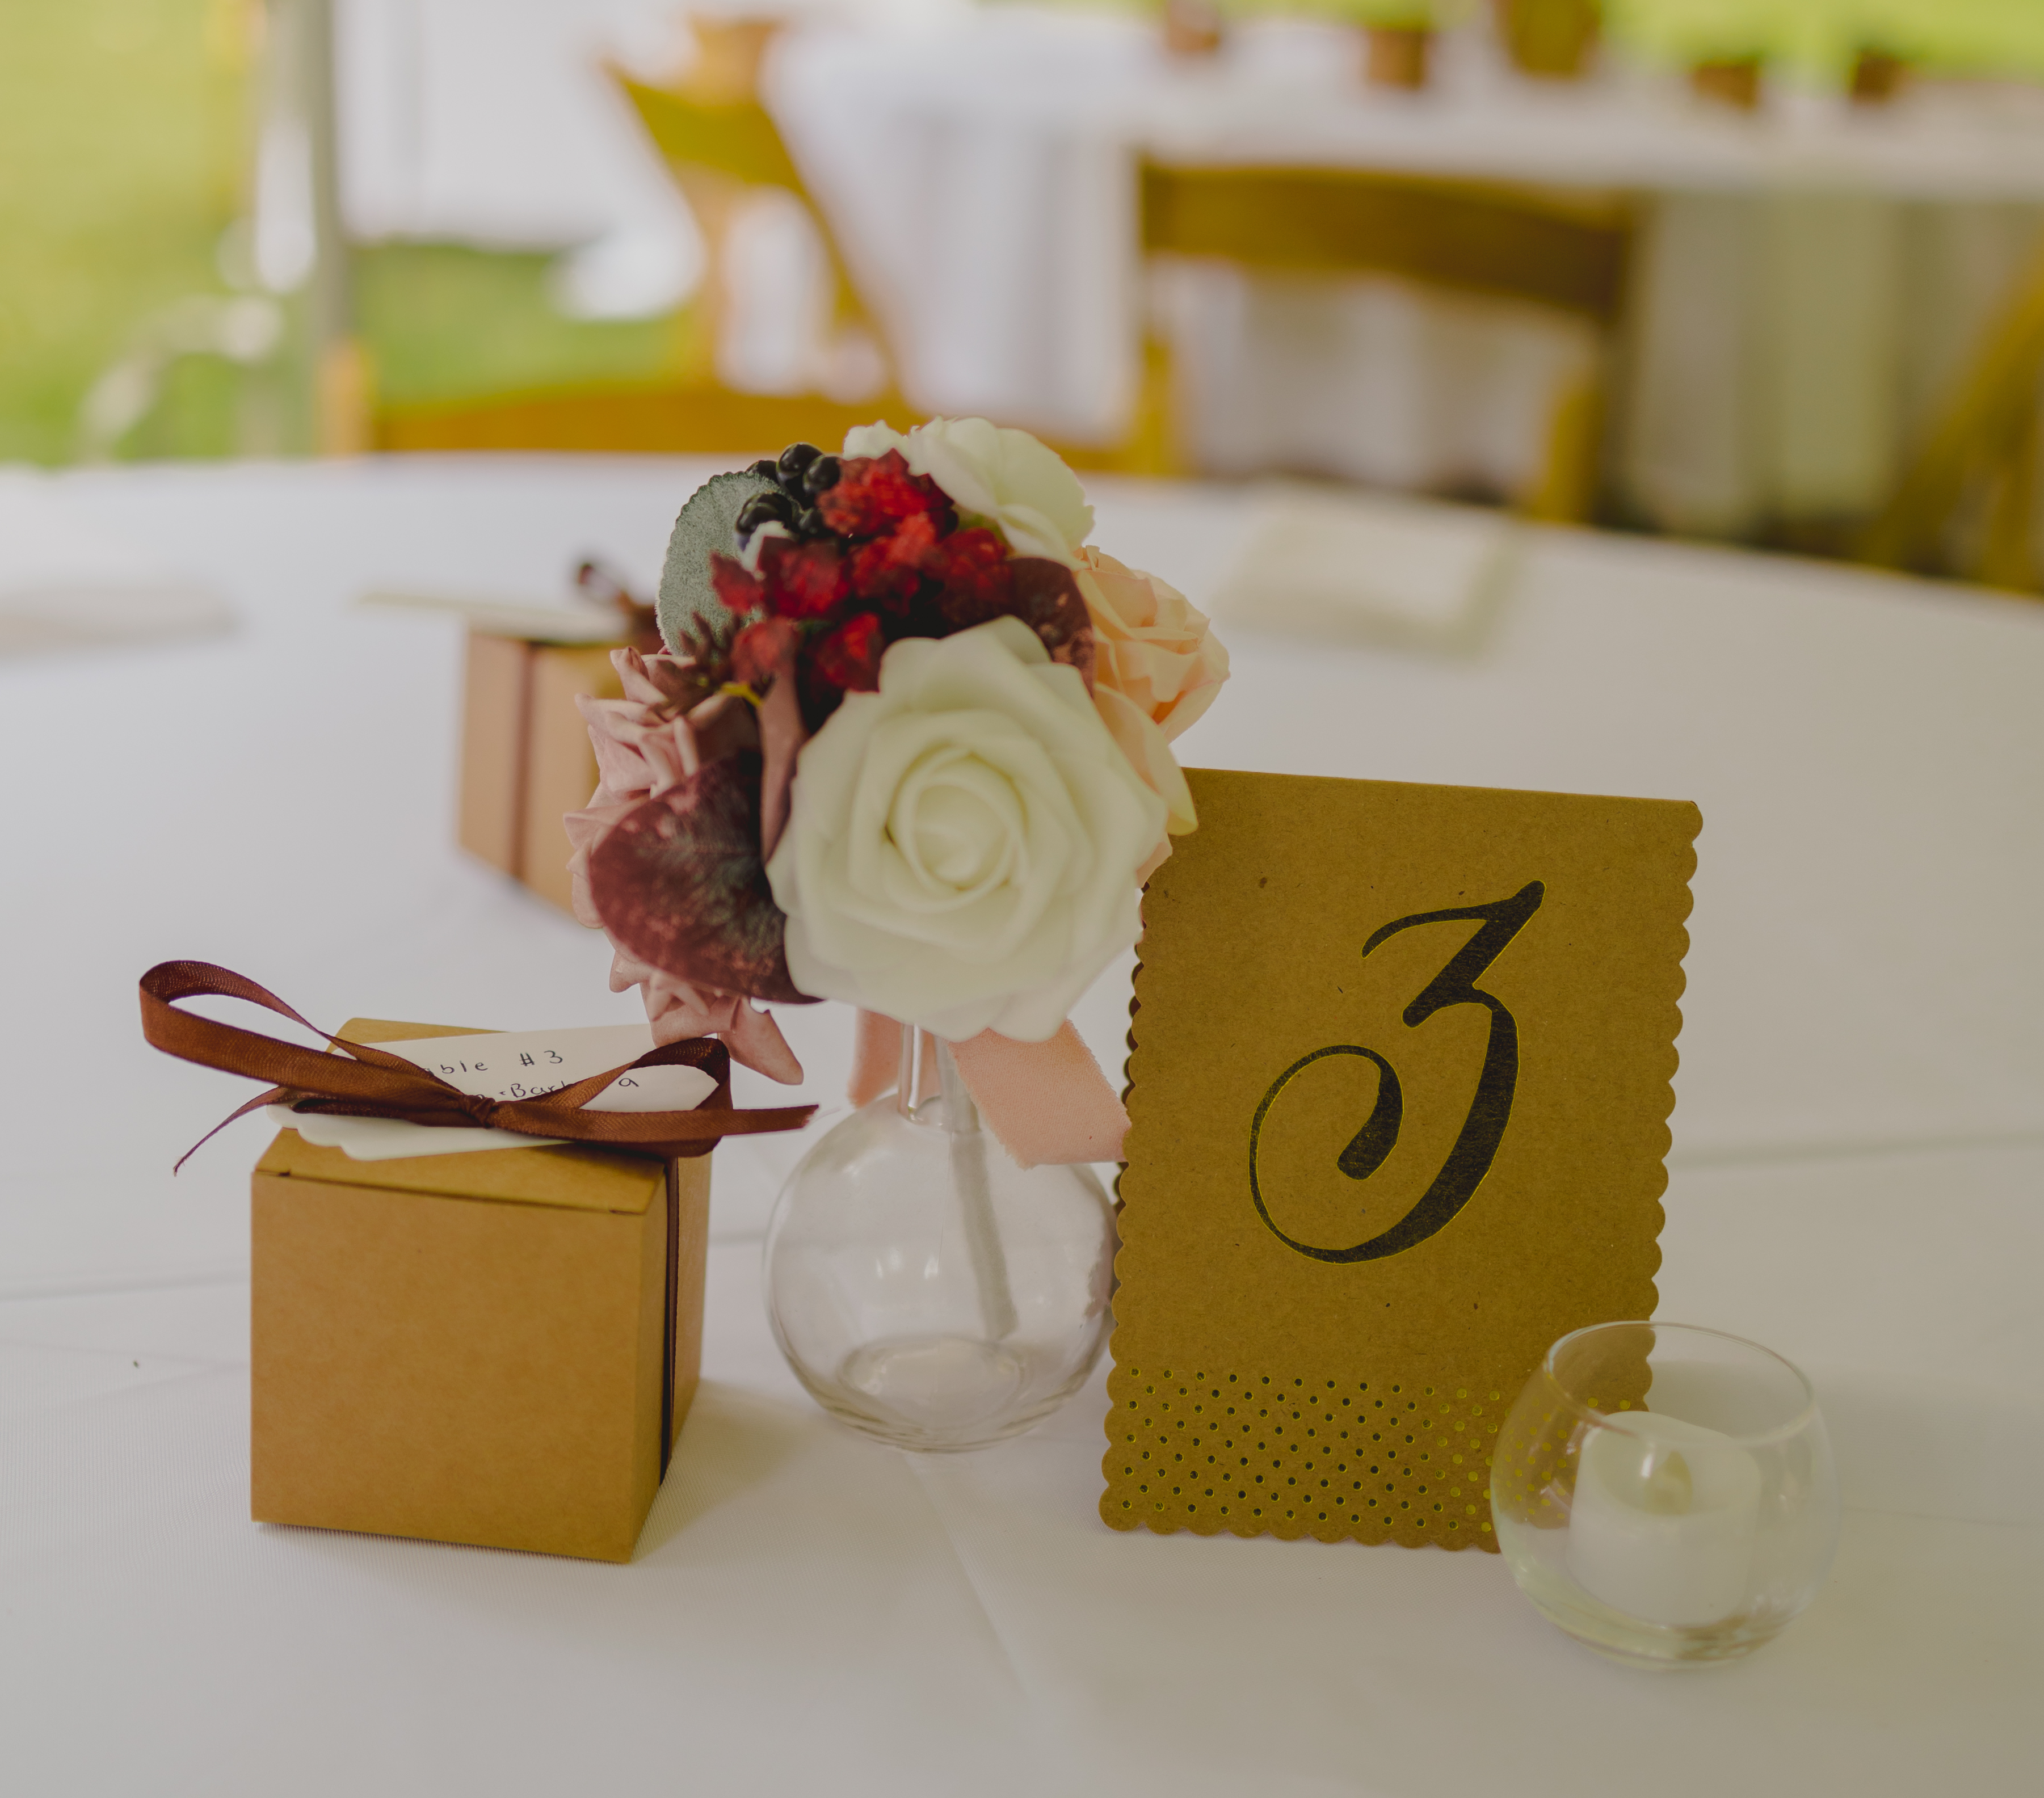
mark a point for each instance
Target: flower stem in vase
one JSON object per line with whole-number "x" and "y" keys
{"x": 967, "y": 1142}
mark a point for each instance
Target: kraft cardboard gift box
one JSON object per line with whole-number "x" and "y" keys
{"x": 496, "y": 1348}
{"x": 526, "y": 753}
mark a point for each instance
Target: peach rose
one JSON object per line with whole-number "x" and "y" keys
{"x": 1157, "y": 666}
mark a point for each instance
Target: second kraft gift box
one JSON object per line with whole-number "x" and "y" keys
{"x": 496, "y": 1348}
{"x": 525, "y": 754}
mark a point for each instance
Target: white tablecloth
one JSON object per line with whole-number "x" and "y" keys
{"x": 1858, "y": 1144}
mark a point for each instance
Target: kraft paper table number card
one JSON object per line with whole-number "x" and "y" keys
{"x": 1400, "y": 1085}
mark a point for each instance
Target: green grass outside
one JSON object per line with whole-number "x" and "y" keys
{"x": 444, "y": 323}
{"x": 124, "y": 137}
{"x": 121, "y": 135}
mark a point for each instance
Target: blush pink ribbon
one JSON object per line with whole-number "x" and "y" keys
{"x": 1047, "y": 1102}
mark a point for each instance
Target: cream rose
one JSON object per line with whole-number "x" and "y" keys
{"x": 1157, "y": 666}
{"x": 1004, "y": 476}
{"x": 964, "y": 844}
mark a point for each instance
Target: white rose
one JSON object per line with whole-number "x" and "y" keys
{"x": 1005, "y": 476}
{"x": 963, "y": 846}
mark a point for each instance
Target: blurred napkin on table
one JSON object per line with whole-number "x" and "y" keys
{"x": 66, "y": 584}
{"x": 1360, "y": 568}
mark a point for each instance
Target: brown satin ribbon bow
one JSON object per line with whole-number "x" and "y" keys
{"x": 365, "y": 1082}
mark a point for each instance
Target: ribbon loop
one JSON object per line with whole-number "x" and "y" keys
{"x": 362, "y": 1080}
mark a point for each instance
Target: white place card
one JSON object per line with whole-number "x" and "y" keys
{"x": 507, "y": 1066}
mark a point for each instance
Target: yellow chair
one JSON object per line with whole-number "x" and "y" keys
{"x": 1568, "y": 252}
{"x": 1979, "y": 466}
{"x": 720, "y": 144}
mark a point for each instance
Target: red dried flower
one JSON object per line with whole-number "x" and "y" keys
{"x": 739, "y": 589}
{"x": 875, "y": 494}
{"x": 849, "y": 657}
{"x": 762, "y": 648}
{"x": 886, "y": 569}
{"x": 878, "y": 578}
{"x": 972, "y": 568}
{"x": 803, "y": 580}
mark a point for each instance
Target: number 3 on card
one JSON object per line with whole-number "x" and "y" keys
{"x": 1490, "y": 1110}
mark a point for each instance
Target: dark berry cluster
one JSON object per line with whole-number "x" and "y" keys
{"x": 801, "y": 474}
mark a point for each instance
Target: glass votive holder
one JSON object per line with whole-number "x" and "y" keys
{"x": 1666, "y": 1494}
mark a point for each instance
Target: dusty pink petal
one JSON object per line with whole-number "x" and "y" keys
{"x": 754, "y": 1039}
{"x": 656, "y": 681}
{"x": 627, "y": 972}
{"x": 643, "y": 747}
{"x": 585, "y": 829}
{"x": 669, "y": 750}
{"x": 615, "y": 735}
{"x": 678, "y": 1011}
{"x": 722, "y": 725}
{"x": 580, "y": 903}
{"x": 637, "y": 751}
{"x": 644, "y": 742}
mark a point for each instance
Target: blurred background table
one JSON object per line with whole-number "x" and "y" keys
{"x": 1805, "y": 284}
{"x": 1858, "y": 1145}
{"x": 438, "y": 223}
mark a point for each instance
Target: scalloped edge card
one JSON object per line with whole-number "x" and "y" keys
{"x": 1400, "y": 1075}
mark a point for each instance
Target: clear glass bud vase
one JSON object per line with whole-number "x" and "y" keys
{"x": 925, "y": 1288}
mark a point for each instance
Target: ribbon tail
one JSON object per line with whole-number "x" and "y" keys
{"x": 876, "y": 1059}
{"x": 1048, "y": 1102}
{"x": 285, "y": 1094}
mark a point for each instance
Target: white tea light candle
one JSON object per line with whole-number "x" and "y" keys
{"x": 1645, "y": 1536}
{"x": 1663, "y": 1523}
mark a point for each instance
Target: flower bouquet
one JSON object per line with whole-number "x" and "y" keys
{"x": 909, "y": 748}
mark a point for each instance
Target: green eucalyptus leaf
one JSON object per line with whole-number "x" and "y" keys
{"x": 707, "y": 524}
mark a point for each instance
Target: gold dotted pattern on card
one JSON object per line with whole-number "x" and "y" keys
{"x": 1259, "y": 1453}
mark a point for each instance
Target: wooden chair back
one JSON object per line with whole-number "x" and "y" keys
{"x": 1566, "y": 251}
{"x": 1980, "y": 463}
{"x": 720, "y": 144}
